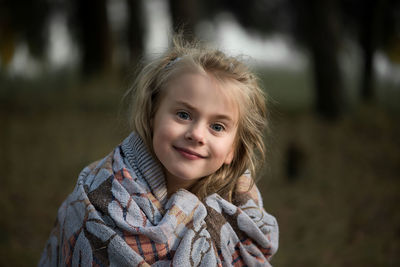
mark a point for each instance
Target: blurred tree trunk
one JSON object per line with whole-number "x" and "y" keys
{"x": 8, "y": 34}
{"x": 185, "y": 15}
{"x": 23, "y": 22}
{"x": 93, "y": 35}
{"x": 135, "y": 29}
{"x": 319, "y": 22}
{"x": 371, "y": 22}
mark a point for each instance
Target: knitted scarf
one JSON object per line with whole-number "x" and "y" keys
{"x": 119, "y": 215}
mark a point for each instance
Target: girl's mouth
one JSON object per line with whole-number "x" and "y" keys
{"x": 189, "y": 154}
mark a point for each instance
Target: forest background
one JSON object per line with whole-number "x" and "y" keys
{"x": 331, "y": 70}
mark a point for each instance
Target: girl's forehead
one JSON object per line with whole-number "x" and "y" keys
{"x": 193, "y": 79}
{"x": 204, "y": 91}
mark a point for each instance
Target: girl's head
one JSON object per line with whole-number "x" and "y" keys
{"x": 202, "y": 114}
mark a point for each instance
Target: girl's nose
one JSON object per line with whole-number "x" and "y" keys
{"x": 195, "y": 134}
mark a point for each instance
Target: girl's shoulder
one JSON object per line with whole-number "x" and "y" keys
{"x": 246, "y": 189}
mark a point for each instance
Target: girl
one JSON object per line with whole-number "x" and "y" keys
{"x": 178, "y": 191}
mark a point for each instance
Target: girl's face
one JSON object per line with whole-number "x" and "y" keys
{"x": 194, "y": 128}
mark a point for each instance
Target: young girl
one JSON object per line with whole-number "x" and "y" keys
{"x": 178, "y": 191}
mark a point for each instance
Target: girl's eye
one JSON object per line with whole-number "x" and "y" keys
{"x": 217, "y": 127}
{"x": 183, "y": 115}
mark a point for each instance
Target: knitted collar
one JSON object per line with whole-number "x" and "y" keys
{"x": 143, "y": 163}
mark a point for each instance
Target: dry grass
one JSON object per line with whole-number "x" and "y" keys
{"x": 340, "y": 210}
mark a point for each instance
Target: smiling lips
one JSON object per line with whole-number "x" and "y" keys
{"x": 189, "y": 154}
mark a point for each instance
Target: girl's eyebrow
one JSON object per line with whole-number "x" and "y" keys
{"x": 218, "y": 116}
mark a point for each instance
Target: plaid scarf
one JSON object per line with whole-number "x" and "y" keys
{"x": 119, "y": 215}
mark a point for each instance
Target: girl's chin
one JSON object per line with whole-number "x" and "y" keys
{"x": 182, "y": 179}
{"x": 177, "y": 175}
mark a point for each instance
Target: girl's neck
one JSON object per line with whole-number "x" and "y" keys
{"x": 174, "y": 183}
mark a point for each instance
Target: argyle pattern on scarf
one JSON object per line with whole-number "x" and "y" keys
{"x": 119, "y": 215}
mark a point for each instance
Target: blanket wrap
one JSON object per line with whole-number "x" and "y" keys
{"x": 119, "y": 215}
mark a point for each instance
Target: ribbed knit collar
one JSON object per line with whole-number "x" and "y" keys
{"x": 145, "y": 165}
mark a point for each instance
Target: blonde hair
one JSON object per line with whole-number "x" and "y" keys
{"x": 194, "y": 57}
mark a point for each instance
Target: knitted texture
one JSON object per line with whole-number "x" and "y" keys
{"x": 119, "y": 215}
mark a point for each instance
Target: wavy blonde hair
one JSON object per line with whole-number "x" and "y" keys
{"x": 183, "y": 57}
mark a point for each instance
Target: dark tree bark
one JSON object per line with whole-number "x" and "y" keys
{"x": 8, "y": 33}
{"x": 371, "y": 22}
{"x": 185, "y": 15}
{"x": 24, "y": 21}
{"x": 319, "y": 24}
{"x": 93, "y": 34}
{"x": 375, "y": 23}
{"x": 135, "y": 30}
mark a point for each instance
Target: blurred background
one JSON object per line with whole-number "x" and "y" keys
{"x": 331, "y": 70}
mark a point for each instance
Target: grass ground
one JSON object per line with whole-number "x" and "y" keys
{"x": 339, "y": 209}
